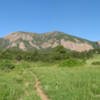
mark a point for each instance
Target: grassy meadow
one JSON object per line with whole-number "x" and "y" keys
{"x": 59, "y": 83}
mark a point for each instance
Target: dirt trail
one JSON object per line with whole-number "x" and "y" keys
{"x": 43, "y": 96}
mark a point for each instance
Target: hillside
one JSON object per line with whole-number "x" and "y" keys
{"x": 29, "y": 41}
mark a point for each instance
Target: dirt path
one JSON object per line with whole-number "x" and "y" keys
{"x": 43, "y": 96}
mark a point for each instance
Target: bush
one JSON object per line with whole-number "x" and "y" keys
{"x": 71, "y": 63}
{"x": 6, "y": 65}
{"x": 96, "y": 63}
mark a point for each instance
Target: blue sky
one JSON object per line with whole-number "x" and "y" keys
{"x": 77, "y": 17}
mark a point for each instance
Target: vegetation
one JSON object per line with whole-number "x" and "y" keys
{"x": 63, "y": 74}
{"x": 6, "y": 65}
{"x": 72, "y": 63}
{"x": 80, "y": 83}
{"x": 56, "y": 54}
{"x": 58, "y": 83}
{"x": 17, "y": 84}
{"x": 96, "y": 63}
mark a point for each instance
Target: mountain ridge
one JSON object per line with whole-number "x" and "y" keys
{"x": 32, "y": 40}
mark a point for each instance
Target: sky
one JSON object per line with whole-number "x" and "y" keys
{"x": 76, "y": 17}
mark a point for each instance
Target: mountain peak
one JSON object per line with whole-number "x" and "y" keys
{"x": 12, "y": 37}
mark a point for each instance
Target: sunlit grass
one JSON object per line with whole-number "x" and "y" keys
{"x": 59, "y": 83}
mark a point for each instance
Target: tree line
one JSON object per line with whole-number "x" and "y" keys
{"x": 56, "y": 54}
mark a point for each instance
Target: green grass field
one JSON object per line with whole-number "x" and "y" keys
{"x": 17, "y": 84}
{"x": 58, "y": 83}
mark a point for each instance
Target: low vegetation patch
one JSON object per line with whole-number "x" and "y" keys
{"x": 71, "y": 63}
{"x": 6, "y": 65}
{"x": 96, "y": 63}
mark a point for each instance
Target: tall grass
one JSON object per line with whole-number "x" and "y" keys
{"x": 17, "y": 84}
{"x": 74, "y": 83}
{"x": 70, "y": 83}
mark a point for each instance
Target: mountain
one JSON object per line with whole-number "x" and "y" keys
{"x": 29, "y": 41}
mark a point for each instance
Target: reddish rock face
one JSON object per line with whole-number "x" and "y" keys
{"x": 99, "y": 42}
{"x": 76, "y": 46}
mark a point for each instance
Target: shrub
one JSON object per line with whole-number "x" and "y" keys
{"x": 6, "y": 65}
{"x": 71, "y": 63}
{"x": 18, "y": 58}
{"x": 96, "y": 63}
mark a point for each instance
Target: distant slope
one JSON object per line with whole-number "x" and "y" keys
{"x": 3, "y": 43}
{"x": 29, "y": 41}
